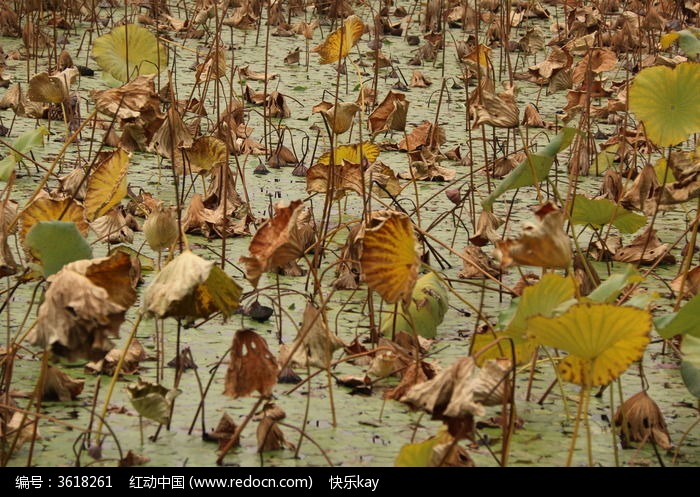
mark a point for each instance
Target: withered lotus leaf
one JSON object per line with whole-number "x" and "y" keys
{"x": 314, "y": 342}
{"x": 339, "y": 43}
{"x": 270, "y": 436}
{"x": 462, "y": 390}
{"x": 645, "y": 248}
{"x": 345, "y": 177}
{"x": 476, "y": 264}
{"x": 640, "y": 420}
{"x": 135, "y": 100}
{"x": 390, "y": 114}
{"x": 172, "y": 135}
{"x": 191, "y": 287}
{"x": 497, "y": 109}
{"x": 214, "y": 67}
{"x": 691, "y": 283}
{"x": 84, "y": 305}
{"x": 340, "y": 117}
{"x": 275, "y": 243}
{"x": 60, "y": 386}
{"x": 151, "y": 400}
{"x": 252, "y": 366}
{"x": 247, "y": 73}
{"x": 486, "y": 227}
{"x": 389, "y": 258}
{"x": 205, "y": 153}
{"x": 543, "y": 242}
{"x": 51, "y": 89}
{"x": 113, "y": 227}
{"x": 425, "y": 135}
{"x": 106, "y": 185}
{"x": 596, "y": 61}
{"x": 134, "y": 355}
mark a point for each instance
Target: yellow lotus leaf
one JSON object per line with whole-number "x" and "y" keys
{"x": 602, "y": 340}
{"x": 48, "y": 209}
{"x": 129, "y": 50}
{"x": 667, "y": 102}
{"x": 353, "y": 153}
{"x": 191, "y": 287}
{"x": 106, "y": 186}
{"x": 276, "y": 242}
{"x": 389, "y": 258}
{"x": 51, "y": 89}
{"x": 252, "y": 366}
{"x": 206, "y": 153}
{"x": 340, "y": 42}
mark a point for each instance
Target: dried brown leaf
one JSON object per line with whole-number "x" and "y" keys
{"x": 252, "y": 366}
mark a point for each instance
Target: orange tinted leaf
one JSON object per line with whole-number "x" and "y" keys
{"x": 252, "y": 366}
{"x": 47, "y": 209}
{"x": 347, "y": 177}
{"x": 390, "y": 114}
{"x": 389, "y": 258}
{"x": 353, "y": 153}
{"x": 340, "y": 42}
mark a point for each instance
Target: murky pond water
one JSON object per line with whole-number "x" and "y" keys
{"x": 369, "y": 430}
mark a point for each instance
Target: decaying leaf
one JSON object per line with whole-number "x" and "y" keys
{"x": 543, "y": 243}
{"x": 642, "y": 421}
{"x": 151, "y": 400}
{"x": 252, "y": 366}
{"x": 224, "y": 430}
{"x": 134, "y": 355}
{"x": 133, "y": 459}
{"x": 389, "y": 258}
{"x": 275, "y": 243}
{"x": 191, "y": 287}
{"x": 339, "y": 43}
{"x": 214, "y": 66}
{"x": 390, "y": 115}
{"x": 269, "y": 434}
{"x": 499, "y": 110}
{"x": 347, "y": 177}
{"x": 353, "y": 153}
{"x": 60, "y": 386}
{"x": 339, "y": 117}
{"x": 114, "y": 227}
{"x": 317, "y": 342}
{"x": 425, "y": 135}
{"x": 486, "y": 227}
{"x": 48, "y": 209}
{"x": 84, "y": 305}
{"x": 476, "y": 264}
{"x": 645, "y": 248}
{"x": 460, "y": 391}
{"x": 136, "y": 100}
{"x": 172, "y": 135}
{"x": 690, "y": 282}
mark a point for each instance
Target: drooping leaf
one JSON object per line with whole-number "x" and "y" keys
{"x": 389, "y": 258}
{"x": 252, "y": 366}
{"x": 206, "y": 153}
{"x": 347, "y": 177}
{"x": 390, "y": 114}
{"x": 602, "y": 340}
{"x": 339, "y": 117}
{"x": 683, "y": 322}
{"x": 129, "y": 50}
{"x": 601, "y": 211}
{"x": 690, "y": 367}
{"x": 353, "y": 153}
{"x": 55, "y": 244}
{"x": 161, "y": 228}
{"x": 542, "y": 243}
{"x": 106, "y": 186}
{"x": 61, "y": 386}
{"x": 534, "y": 168}
{"x": 84, "y": 306}
{"x": 191, "y": 287}
{"x": 151, "y": 400}
{"x": 276, "y": 243}
{"x": 317, "y": 342}
{"x": 339, "y": 43}
{"x": 642, "y": 421}
{"x": 424, "y": 313}
{"x": 667, "y": 102}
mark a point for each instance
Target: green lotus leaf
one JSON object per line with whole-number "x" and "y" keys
{"x": 600, "y": 211}
{"x": 129, "y": 51}
{"x": 667, "y": 102}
